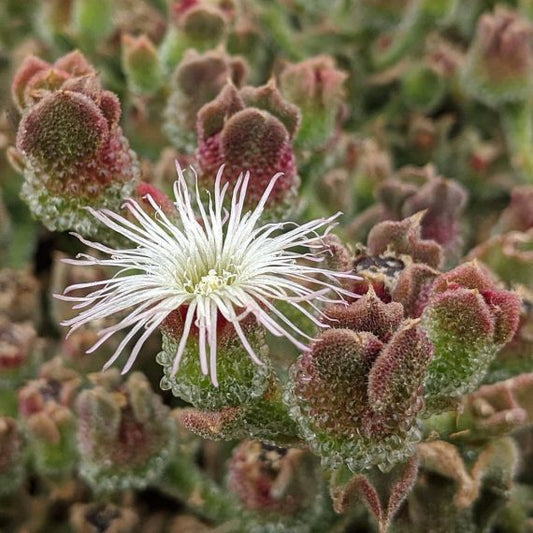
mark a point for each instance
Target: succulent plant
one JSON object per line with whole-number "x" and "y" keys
{"x": 303, "y": 230}
{"x": 69, "y": 143}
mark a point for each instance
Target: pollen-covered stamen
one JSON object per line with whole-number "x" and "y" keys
{"x": 210, "y": 282}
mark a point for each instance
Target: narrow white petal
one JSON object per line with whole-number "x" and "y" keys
{"x": 216, "y": 260}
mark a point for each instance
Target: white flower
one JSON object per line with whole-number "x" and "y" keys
{"x": 215, "y": 262}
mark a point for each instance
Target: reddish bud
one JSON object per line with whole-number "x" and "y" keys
{"x": 27, "y": 70}
{"x": 394, "y": 382}
{"x": 75, "y": 63}
{"x": 143, "y": 190}
{"x": 63, "y": 129}
{"x": 356, "y": 397}
{"x": 314, "y": 82}
{"x": 316, "y": 86}
{"x": 70, "y": 146}
{"x": 246, "y": 138}
{"x": 468, "y": 319}
{"x": 19, "y": 293}
{"x": 416, "y": 190}
{"x": 11, "y": 456}
{"x": 413, "y": 288}
{"x": 368, "y": 313}
{"x": 35, "y": 77}
{"x": 125, "y": 433}
{"x": 336, "y": 256}
{"x": 268, "y": 479}
{"x": 268, "y": 98}
{"x": 17, "y": 351}
{"x": 505, "y": 307}
{"x": 498, "y": 63}
{"x": 405, "y": 237}
{"x": 198, "y": 80}
{"x": 45, "y": 406}
{"x": 471, "y": 275}
{"x": 518, "y": 216}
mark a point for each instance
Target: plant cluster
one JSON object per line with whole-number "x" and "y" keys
{"x": 304, "y": 232}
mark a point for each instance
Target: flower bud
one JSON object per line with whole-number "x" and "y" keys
{"x": 30, "y": 67}
{"x": 18, "y": 352}
{"x": 336, "y": 257}
{"x": 92, "y": 20}
{"x": 357, "y": 392}
{"x": 368, "y": 313}
{"x": 203, "y": 23}
{"x": 405, "y": 237}
{"x": 509, "y": 255}
{"x": 145, "y": 190}
{"x": 45, "y": 405}
{"x": 70, "y": 144}
{"x": 516, "y": 357}
{"x": 125, "y": 433}
{"x": 19, "y": 292}
{"x": 11, "y": 456}
{"x": 468, "y": 319}
{"x": 498, "y": 63}
{"x": 276, "y": 483}
{"x": 251, "y": 130}
{"x": 518, "y": 215}
{"x": 443, "y": 199}
{"x": 197, "y": 80}
{"x": 199, "y": 24}
{"x": 413, "y": 288}
{"x": 316, "y": 87}
{"x": 35, "y": 77}
{"x": 140, "y": 64}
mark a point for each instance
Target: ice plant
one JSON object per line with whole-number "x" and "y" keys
{"x": 217, "y": 265}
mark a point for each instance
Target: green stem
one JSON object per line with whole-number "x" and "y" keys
{"x": 407, "y": 34}
{"x": 284, "y": 35}
{"x": 418, "y": 18}
{"x": 441, "y": 425}
{"x": 184, "y": 480}
{"x": 8, "y": 402}
{"x": 518, "y": 127}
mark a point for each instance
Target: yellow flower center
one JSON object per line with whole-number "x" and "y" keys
{"x": 211, "y": 282}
